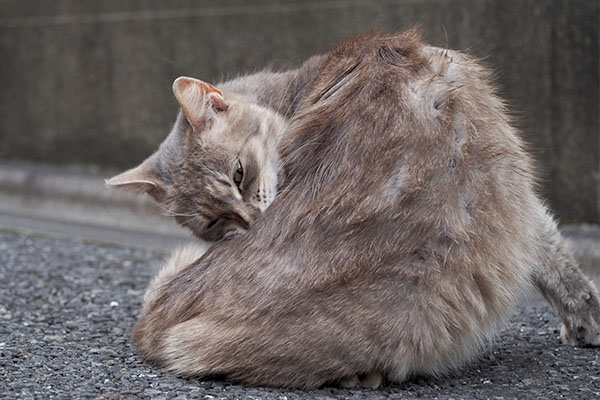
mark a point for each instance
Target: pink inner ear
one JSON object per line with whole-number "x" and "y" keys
{"x": 212, "y": 89}
{"x": 218, "y": 102}
{"x": 203, "y": 87}
{"x": 190, "y": 91}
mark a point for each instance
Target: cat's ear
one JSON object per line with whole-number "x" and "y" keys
{"x": 142, "y": 179}
{"x": 197, "y": 99}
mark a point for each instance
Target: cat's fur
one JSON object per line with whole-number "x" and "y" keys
{"x": 408, "y": 227}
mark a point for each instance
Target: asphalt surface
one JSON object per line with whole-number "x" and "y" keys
{"x": 67, "y": 308}
{"x": 75, "y": 202}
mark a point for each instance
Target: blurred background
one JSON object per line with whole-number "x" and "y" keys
{"x": 86, "y": 83}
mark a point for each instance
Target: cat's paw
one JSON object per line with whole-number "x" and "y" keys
{"x": 582, "y": 329}
{"x": 368, "y": 381}
{"x": 371, "y": 381}
{"x": 350, "y": 382}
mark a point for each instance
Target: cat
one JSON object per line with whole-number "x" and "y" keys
{"x": 219, "y": 167}
{"x": 407, "y": 228}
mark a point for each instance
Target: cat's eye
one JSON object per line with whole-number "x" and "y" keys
{"x": 238, "y": 175}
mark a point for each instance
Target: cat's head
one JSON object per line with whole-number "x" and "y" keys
{"x": 218, "y": 169}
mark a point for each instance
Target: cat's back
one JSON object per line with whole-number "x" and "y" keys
{"x": 410, "y": 189}
{"x": 395, "y": 133}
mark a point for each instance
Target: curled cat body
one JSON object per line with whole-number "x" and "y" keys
{"x": 407, "y": 229}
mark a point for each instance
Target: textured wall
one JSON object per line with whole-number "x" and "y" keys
{"x": 88, "y": 82}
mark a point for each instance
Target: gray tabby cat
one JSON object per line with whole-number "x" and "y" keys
{"x": 407, "y": 229}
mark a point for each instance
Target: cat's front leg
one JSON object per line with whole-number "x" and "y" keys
{"x": 571, "y": 293}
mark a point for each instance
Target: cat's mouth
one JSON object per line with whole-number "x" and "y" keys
{"x": 239, "y": 219}
{"x": 222, "y": 228}
{"x": 212, "y": 223}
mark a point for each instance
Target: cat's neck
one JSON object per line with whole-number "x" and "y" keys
{"x": 279, "y": 91}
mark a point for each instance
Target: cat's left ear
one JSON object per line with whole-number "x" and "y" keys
{"x": 142, "y": 179}
{"x": 198, "y": 100}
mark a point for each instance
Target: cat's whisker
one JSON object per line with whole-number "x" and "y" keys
{"x": 192, "y": 215}
{"x": 298, "y": 93}
{"x": 171, "y": 213}
{"x": 293, "y": 154}
{"x": 284, "y": 190}
{"x": 284, "y": 96}
{"x": 186, "y": 221}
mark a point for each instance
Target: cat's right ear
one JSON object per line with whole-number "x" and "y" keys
{"x": 142, "y": 179}
{"x": 198, "y": 100}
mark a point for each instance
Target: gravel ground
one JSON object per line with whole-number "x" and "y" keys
{"x": 67, "y": 308}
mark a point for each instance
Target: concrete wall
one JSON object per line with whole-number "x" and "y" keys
{"x": 88, "y": 82}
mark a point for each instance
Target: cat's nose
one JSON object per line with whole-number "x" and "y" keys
{"x": 256, "y": 214}
{"x": 249, "y": 215}
{"x": 245, "y": 216}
